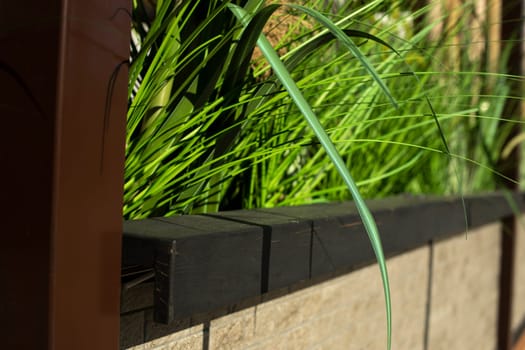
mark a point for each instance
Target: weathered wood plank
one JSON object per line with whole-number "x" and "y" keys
{"x": 206, "y": 262}
{"x": 201, "y": 262}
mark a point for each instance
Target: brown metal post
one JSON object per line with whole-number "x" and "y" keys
{"x": 62, "y": 159}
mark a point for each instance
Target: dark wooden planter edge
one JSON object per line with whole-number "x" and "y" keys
{"x": 201, "y": 263}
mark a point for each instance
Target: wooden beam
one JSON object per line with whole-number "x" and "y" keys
{"x": 207, "y": 262}
{"x": 62, "y": 151}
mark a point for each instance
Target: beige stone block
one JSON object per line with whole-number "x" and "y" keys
{"x": 362, "y": 294}
{"x": 518, "y": 312}
{"x": 184, "y": 337}
{"x": 296, "y": 338}
{"x": 192, "y": 342}
{"x": 281, "y": 314}
{"x": 362, "y": 323}
{"x": 409, "y": 288}
{"x": 348, "y": 312}
{"x": 233, "y": 331}
{"x": 330, "y": 326}
{"x": 464, "y": 303}
{"x": 337, "y": 342}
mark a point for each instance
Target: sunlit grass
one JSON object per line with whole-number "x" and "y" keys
{"x": 212, "y": 126}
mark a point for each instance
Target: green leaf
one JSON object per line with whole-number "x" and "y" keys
{"x": 287, "y": 81}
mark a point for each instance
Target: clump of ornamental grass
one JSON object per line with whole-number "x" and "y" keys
{"x": 214, "y": 124}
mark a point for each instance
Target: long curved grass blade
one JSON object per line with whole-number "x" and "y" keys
{"x": 349, "y": 44}
{"x": 287, "y": 81}
{"x": 459, "y": 177}
{"x": 304, "y": 51}
{"x": 311, "y": 46}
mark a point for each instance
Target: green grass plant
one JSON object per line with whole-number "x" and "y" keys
{"x": 212, "y": 126}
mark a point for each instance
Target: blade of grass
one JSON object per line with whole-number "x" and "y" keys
{"x": 350, "y": 45}
{"x": 285, "y": 78}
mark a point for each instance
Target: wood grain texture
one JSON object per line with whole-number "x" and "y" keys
{"x": 207, "y": 262}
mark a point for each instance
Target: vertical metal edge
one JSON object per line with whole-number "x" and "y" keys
{"x": 510, "y": 167}
{"x": 88, "y": 175}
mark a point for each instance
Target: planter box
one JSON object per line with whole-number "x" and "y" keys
{"x": 206, "y": 262}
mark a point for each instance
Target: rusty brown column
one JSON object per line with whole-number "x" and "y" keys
{"x": 62, "y": 158}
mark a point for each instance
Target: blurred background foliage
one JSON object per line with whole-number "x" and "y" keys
{"x": 210, "y": 128}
